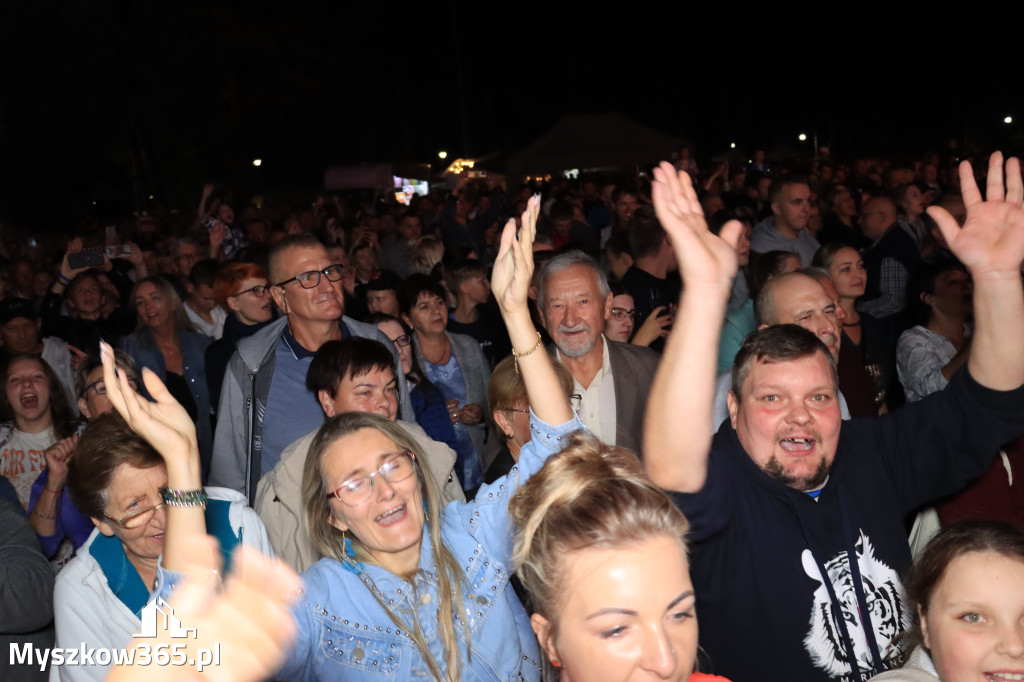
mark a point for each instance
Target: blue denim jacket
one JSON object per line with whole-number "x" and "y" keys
{"x": 344, "y": 634}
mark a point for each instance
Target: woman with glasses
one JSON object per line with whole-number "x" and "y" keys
{"x": 165, "y": 341}
{"x": 510, "y": 410}
{"x": 127, "y": 487}
{"x": 428, "y": 403}
{"x": 242, "y": 290}
{"x": 408, "y": 590}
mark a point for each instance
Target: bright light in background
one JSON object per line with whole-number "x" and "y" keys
{"x": 257, "y": 162}
{"x": 151, "y": 197}
{"x": 442, "y": 155}
{"x": 732, "y": 145}
{"x": 1008, "y": 119}
{"x": 802, "y": 137}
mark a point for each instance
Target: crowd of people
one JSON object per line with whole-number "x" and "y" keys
{"x": 517, "y": 435}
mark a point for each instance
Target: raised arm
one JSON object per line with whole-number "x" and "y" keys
{"x": 167, "y": 427}
{"x": 991, "y": 245}
{"x": 677, "y": 428}
{"x": 510, "y": 282}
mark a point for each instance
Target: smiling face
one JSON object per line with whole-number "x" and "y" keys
{"x": 429, "y": 315}
{"x": 389, "y": 525}
{"x": 574, "y": 310}
{"x": 787, "y": 419}
{"x": 628, "y": 614}
{"x": 28, "y": 394}
{"x": 974, "y": 626}
{"x": 322, "y": 303}
{"x": 132, "y": 489}
{"x": 153, "y": 306}
{"x": 848, "y": 273}
{"x": 375, "y": 391}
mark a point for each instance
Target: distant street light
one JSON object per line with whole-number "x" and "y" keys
{"x": 257, "y": 162}
{"x": 802, "y": 137}
{"x": 1008, "y": 119}
{"x": 442, "y": 155}
{"x": 732, "y": 145}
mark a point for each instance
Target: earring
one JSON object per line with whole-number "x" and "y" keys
{"x": 555, "y": 663}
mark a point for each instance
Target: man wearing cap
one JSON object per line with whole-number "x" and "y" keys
{"x": 382, "y": 294}
{"x": 20, "y": 331}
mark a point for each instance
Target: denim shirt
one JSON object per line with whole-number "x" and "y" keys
{"x": 345, "y": 634}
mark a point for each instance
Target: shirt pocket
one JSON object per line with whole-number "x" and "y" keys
{"x": 356, "y": 646}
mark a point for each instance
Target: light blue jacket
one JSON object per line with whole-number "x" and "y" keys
{"x": 344, "y": 634}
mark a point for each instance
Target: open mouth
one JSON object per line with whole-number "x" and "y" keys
{"x": 392, "y": 516}
{"x": 1001, "y": 677}
{"x": 29, "y": 401}
{"x": 797, "y": 445}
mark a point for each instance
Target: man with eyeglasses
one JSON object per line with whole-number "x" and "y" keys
{"x": 264, "y": 403}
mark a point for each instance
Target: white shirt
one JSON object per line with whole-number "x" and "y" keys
{"x": 597, "y": 407}
{"x": 215, "y": 330}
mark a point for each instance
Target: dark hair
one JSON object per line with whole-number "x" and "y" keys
{"x": 618, "y": 244}
{"x": 60, "y": 413}
{"x": 824, "y": 255}
{"x": 561, "y": 210}
{"x": 78, "y": 279}
{"x": 779, "y": 184}
{"x": 340, "y": 360}
{"x": 922, "y": 284}
{"x": 122, "y": 360}
{"x": 778, "y": 343}
{"x": 463, "y": 271}
{"x": 414, "y": 286}
{"x": 646, "y": 235}
{"x": 952, "y": 542}
{"x": 204, "y": 272}
{"x": 105, "y": 444}
{"x": 415, "y": 375}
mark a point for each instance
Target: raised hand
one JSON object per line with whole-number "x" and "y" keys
{"x": 57, "y": 456}
{"x": 513, "y": 266}
{"x": 992, "y": 238}
{"x": 164, "y": 424}
{"x": 703, "y": 257}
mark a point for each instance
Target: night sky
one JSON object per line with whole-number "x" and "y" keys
{"x": 115, "y": 101}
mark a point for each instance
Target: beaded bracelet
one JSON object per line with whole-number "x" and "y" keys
{"x": 185, "y": 498}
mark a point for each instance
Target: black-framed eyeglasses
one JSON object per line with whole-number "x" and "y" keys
{"x": 402, "y": 340}
{"x": 260, "y": 290}
{"x": 100, "y": 387}
{"x": 575, "y": 400}
{"x": 136, "y": 519}
{"x": 396, "y": 468}
{"x": 311, "y": 279}
{"x": 619, "y": 313}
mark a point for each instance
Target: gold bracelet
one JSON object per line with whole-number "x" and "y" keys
{"x": 516, "y": 356}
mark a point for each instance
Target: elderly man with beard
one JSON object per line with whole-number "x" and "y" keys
{"x": 612, "y": 378}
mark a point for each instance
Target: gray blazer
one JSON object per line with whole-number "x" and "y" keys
{"x": 477, "y": 373}
{"x": 633, "y": 369}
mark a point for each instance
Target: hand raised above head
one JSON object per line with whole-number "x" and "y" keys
{"x": 513, "y": 266}
{"x": 704, "y": 259}
{"x": 991, "y": 242}
{"x": 164, "y": 424}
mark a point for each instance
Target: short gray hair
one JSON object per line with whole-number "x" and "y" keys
{"x": 564, "y": 262}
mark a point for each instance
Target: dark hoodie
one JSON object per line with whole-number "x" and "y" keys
{"x": 758, "y": 547}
